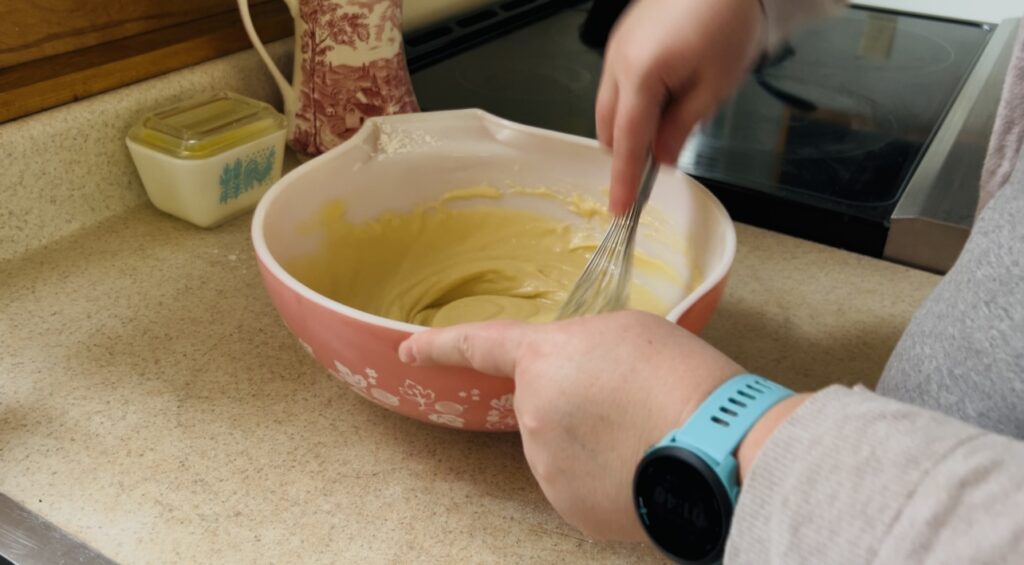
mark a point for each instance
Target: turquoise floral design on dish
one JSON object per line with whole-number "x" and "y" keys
{"x": 243, "y": 175}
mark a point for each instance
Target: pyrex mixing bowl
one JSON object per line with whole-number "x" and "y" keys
{"x": 395, "y": 163}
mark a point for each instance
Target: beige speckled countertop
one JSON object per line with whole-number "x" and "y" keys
{"x": 153, "y": 404}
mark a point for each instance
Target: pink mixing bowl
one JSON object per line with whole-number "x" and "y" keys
{"x": 397, "y": 162}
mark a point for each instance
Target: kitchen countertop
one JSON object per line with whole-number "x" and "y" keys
{"x": 153, "y": 404}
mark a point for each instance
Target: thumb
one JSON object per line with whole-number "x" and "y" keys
{"x": 488, "y": 347}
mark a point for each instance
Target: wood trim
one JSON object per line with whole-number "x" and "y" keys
{"x": 52, "y": 81}
{"x": 35, "y": 29}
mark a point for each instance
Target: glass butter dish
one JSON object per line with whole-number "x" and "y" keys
{"x": 209, "y": 159}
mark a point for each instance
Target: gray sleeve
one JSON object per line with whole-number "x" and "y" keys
{"x": 963, "y": 352}
{"x": 853, "y": 477}
{"x": 783, "y": 17}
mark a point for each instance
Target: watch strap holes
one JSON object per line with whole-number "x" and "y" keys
{"x": 720, "y": 421}
{"x": 728, "y": 411}
{"x": 746, "y": 395}
{"x": 757, "y": 390}
{"x": 739, "y": 403}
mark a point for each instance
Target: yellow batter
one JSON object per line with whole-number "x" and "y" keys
{"x": 440, "y": 265}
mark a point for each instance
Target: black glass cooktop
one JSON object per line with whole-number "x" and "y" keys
{"x": 540, "y": 74}
{"x": 819, "y": 141}
{"x": 841, "y": 115}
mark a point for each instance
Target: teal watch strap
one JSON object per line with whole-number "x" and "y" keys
{"x": 685, "y": 488}
{"x": 721, "y": 422}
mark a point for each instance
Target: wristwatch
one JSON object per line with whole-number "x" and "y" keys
{"x": 685, "y": 487}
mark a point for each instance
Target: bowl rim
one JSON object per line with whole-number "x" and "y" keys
{"x": 269, "y": 262}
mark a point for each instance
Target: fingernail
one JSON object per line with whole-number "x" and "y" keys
{"x": 407, "y": 353}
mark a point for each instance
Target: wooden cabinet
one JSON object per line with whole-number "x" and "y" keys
{"x": 37, "y": 29}
{"x": 57, "y": 51}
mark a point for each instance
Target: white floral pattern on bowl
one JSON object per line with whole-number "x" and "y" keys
{"x": 354, "y": 380}
{"x": 384, "y": 397}
{"x": 446, "y": 419}
{"x": 502, "y": 414}
{"x": 444, "y": 412}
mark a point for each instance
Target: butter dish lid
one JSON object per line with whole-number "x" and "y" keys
{"x": 206, "y": 126}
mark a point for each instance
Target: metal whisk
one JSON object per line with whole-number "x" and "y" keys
{"x": 604, "y": 284}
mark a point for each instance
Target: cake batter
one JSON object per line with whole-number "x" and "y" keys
{"x": 440, "y": 265}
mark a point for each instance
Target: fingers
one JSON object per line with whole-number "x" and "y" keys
{"x": 604, "y": 108}
{"x": 679, "y": 119}
{"x": 489, "y": 347}
{"x": 636, "y": 121}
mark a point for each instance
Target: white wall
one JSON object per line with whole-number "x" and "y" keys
{"x": 421, "y": 13}
{"x": 974, "y": 10}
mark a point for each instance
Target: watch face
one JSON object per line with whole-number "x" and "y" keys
{"x": 682, "y": 504}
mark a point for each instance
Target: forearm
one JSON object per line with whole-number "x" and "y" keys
{"x": 783, "y": 17}
{"x": 755, "y": 439}
{"x": 848, "y": 476}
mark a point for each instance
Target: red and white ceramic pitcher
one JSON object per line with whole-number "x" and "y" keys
{"x": 349, "y": 66}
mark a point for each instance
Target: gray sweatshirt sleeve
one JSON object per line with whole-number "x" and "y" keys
{"x": 853, "y": 477}
{"x": 783, "y": 17}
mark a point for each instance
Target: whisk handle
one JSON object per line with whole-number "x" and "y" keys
{"x": 643, "y": 193}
